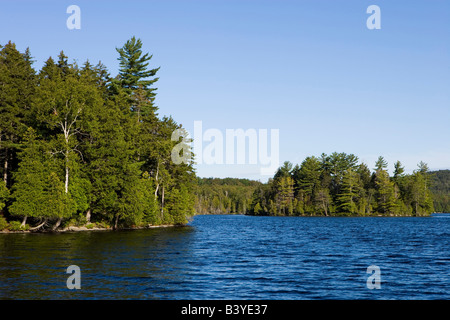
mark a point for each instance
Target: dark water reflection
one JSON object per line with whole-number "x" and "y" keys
{"x": 236, "y": 257}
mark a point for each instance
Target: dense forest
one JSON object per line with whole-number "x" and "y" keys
{"x": 224, "y": 196}
{"x": 440, "y": 187}
{"x": 338, "y": 184}
{"x": 81, "y": 147}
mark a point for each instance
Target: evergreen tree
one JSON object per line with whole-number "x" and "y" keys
{"x": 398, "y": 170}
{"x": 418, "y": 192}
{"x": 308, "y": 177}
{"x": 134, "y": 73}
{"x": 38, "y": 192}
{"x": 4, "y": 195}
{"x": 95, "y": 148}
{"x": 17, "y": 88}
{"x": 385, "y": 192}
{"x": 380, "y": 164}
{"x": 257, "y": 210}
{"x": 64, "y": 98}
{"x": 336, "y": 165}
{"x": 337, "y": 184}
{"x": 349, "y": 193}
{"x": 285, "y": 195}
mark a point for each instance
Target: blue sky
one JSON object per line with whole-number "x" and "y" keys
{"x": 311, "y": 69}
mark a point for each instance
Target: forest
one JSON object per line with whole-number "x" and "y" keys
{"x": 338, "y": 185}
{"x": 224, "y": 196}
{"x": 440, "y": 187}
{"x": 235, "y": 196}
{"x": 81, "y": 147}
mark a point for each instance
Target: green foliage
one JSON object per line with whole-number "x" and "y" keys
{"x": 440, "y": 188}
{"x": 133, "y": 69}
{"x": 17, "y": 226}
{"x": 284, "y": 190}
{"x": 83, "y": 146}
{"x": 17, "y": 82}
{"x": 338, "y": 185}
{"x": 224, "y": 196}
{"x": 349, "y": 193}
{"x": 380, "y": 164}
{"x": 418, "y": 193}
{"x": 4, "y": 195}
{"x": 3, "y": 223}
{"x": 385, "y": 192}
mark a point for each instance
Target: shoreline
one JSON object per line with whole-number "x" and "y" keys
{"x": 84, "y": 229}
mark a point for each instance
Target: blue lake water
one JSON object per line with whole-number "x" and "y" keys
{"x": 237, "y": 257}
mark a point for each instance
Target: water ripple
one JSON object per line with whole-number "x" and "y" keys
{"x": 236, "y": 257}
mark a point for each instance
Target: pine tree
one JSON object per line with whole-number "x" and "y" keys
{"x": 133, "y": 72}
{"x": 385, "y": 193}
{"x": 4, "y": 195}
{"x": 95, "y": 148}
{"x": 284, "y": 194}
{"x": 284, "y": 171}
{"x": 17, "y": 82}
{"x": 307, "y": 178}
{"x": 349, "y": 193}
{"x": 418, "y": 193}
{"x": 29, "y": 191}
{"x": 257, "y": 210}
{"x": 381, "y": 164}
{"x": 64, "y": 99}
{"x": 398, "y": 170}
{"x": 336, "y": 165}
{"x": 38, "y": 192}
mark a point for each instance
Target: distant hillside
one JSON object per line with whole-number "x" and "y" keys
{"x": 224, "y": 195}
{"x": 441, "y": 190}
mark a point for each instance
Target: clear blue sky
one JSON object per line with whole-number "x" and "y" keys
{"x": 311, "y": 69}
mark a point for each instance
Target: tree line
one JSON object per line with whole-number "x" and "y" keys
{"x": 79, "y": 146}
{"x": 337, "y": 184}
{"x": 440, "y": 187}
{"x": 224, "y": 196}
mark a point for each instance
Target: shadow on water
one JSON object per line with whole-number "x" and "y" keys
{"x": 113, "y": 264}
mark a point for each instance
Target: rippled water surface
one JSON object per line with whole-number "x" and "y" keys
{"x": 236, "y": 257}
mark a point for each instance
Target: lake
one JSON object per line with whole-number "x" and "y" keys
{"x": 236, "y": 257}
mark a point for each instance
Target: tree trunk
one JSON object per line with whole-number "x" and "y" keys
{"x": 156, "y": 180}
{"x": 324, "y": 207}
{"x": 88, "y": 216}
{"x": 24, "y": 221}
{"x": 116, "y": 222}
{"x": 162, "y": 202}
{"x": 57, "y": 224}
{"x": 37, "y": 227}
{"x": 66, "y": 182}
{"x": 5, "y": 167}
